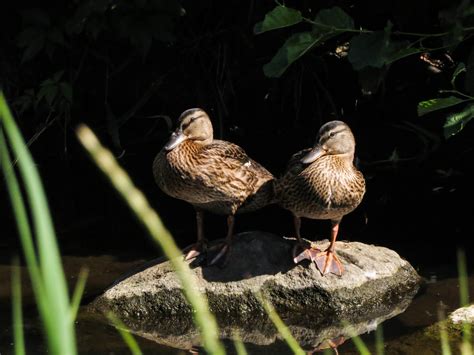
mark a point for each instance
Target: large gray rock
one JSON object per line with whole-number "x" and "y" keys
{"x": 376, "y": 284}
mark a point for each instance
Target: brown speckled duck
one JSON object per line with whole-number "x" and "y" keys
{"x": 213, "y": 175}
{"x": 322, "y": 183}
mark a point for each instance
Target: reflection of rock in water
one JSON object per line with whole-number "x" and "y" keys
{"x": 377, "y": 284}
{"x": 310, "y": 332}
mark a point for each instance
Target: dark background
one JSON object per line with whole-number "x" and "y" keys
{"x": 127, "y": 62}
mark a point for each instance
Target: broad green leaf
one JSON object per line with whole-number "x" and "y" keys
{"x": 279, "y": 17}
{"x": 367, "y": 50}
{"x": 459, "y": 69}
{"x": 428, "y": 106}
{"x": 294, "y": 47}
{"x": 402, "y": 52}
{"x": 455, "y": 122}
{"x": 334, "y": 20}
{"x": 377, "y": 49}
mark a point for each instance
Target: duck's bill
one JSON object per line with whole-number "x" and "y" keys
{"x": 175, "y": 140}
{"x": 315, "y": 153}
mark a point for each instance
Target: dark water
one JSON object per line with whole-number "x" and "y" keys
{"x": 403, "y": 334}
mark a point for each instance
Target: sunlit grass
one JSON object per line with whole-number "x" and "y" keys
{"x": 125, "y": 334}
{"x": 443, "y": 333}
{"x": 139, "y": 205}
{"x": 281, "y": 327}
{"x": 379, "y": 343}
{"x": 43, "y": 262}
{"x": 238, "y": 344}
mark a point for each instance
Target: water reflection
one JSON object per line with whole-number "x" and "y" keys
{"x": 312, "y": 333}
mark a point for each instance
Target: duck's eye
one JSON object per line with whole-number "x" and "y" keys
{"x": 331, "y": 134}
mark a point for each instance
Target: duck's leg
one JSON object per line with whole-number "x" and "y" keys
{"x": 327, "y": 261}
{"x": 201, "y": 243}
{"x": 228, "y": 240}
{"x": 308, "y": 251}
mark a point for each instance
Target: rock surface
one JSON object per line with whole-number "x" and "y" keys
{"x": 463, "y": 315}
{"x": 376, "y": 283}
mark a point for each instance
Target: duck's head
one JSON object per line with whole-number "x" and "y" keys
{"x": 334, "y": 138}
{"x": 193, "y": 124}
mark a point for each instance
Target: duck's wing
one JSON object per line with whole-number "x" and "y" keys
{"x": 295, "y": 166}
{"x": 227, "y": 168}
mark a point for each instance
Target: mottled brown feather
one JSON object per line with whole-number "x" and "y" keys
{"x": 218, "y": 177}
{"x": 328, "y": 188}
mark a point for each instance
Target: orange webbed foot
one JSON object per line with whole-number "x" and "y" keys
{"x": 309, "y": 252}
{"x": 328, "y": 262}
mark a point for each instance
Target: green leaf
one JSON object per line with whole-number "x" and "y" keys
{"x": 366, "y": 50}
{"x": 333, "y": 20}
{"x": 428, "y": 106}
{"x": 459, "y": 69}
{"x": 455, "y": 122}
{"x": 377, "y": 49}
{"x": 294, "y": 47}
{"x": 400, "y": 53}
{"x": 279, "y": 17}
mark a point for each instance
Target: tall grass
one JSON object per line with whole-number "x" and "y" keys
{"x": 17, "y": 314}
{"x": 280, "y": 325}
{"x": 43, "y": 261}
{"x": 138, "y": 203}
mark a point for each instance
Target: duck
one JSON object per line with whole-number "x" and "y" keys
{"x": 213, "y": 175}
{"x": 322, "y": 183}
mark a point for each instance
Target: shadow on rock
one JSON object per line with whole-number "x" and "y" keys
{"x": 377, "y": 284}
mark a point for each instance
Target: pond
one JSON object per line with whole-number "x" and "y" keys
{"x": 402, "y": 333}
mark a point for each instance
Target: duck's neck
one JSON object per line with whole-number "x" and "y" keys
{"x": 189, "y": 147}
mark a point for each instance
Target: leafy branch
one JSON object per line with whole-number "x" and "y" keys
{"x": 367, "y": 48}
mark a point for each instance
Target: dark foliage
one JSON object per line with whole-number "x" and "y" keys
{"x": 125, "y": 66}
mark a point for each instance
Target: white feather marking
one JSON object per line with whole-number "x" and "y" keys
{"x": 247, "y": 164}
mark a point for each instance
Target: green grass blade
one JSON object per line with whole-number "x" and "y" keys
{"x": 59, "y": 329}
{"x": 356, "y": 339}
{"x": 125, "y": 334}
{"x": 23, "y": 226}
{"x": 239, "y": 344}
{"x": 155, "y": 227}
{"x": 443, "y": 333}
{"x": 360, "y": 345}
{"x": 78, "y": 292}
{"x": 379, "y": 343}
{"x": 21, "y": 217}
{"x": 280, "y": 325}
{"x": 18, "y": 336}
